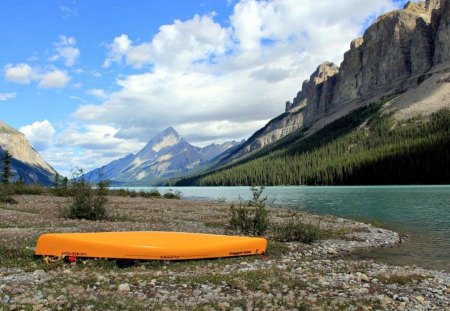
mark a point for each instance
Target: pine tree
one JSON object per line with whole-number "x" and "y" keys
{"x": 6, "y": 161}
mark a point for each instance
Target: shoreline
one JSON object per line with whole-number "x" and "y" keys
{"x": 291, "y": 275}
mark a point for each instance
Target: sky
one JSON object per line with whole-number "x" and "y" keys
{"x": 89, "y": 81}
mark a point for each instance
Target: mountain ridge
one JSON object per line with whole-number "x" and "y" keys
{"x": 27, "y": 164}
{"x": 396, "y": 54}
{"x": 167, "y": 154}
{"x": 402, "y": 62}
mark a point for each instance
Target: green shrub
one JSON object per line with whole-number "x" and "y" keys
{"x": 87, "y": 203}
{"x": 154, "y": 193}
{"x": 294, "y": 230}
{"x": 173, "y": 195}
{"x": 5, "y": 194}
{"x": 251, "y": 217}
{"x": 61, "y": 186}
{"x": 20, "y": 187}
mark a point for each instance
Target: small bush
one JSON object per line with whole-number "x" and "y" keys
{"x": 173, "y": 195}
{"x": 61, "y": 186}
{"x": 294, "y": 230}
{"x": 6, "y": 194}
{"x": 87, "y": 203}
{"x": 252, "y": 217}
{"x": 153, "y": 193}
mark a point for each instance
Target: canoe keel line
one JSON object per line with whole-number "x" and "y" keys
{"x": 146, "y": 245}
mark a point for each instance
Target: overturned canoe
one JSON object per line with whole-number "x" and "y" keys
{"x": 148, "y": 245}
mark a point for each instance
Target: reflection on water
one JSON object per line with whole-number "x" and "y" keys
{"x": 422, "y": 212}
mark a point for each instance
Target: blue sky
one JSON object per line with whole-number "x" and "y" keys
{"x": 90, "y": 81}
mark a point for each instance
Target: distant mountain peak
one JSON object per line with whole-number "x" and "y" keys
{"x": 165, "y": 155}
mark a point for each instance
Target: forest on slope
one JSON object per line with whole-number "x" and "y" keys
{"x": 366, "y": 147}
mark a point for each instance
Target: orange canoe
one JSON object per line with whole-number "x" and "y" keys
{"x": 148, "y": 245}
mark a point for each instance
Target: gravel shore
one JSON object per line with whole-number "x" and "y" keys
{"x": 291, "y": 276}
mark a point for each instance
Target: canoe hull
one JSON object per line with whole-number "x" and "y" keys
{"x": 148, "y": 245}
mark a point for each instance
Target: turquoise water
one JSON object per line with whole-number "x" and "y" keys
{"x": 422, "y": 212}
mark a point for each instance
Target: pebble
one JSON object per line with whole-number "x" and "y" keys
{"x": 197, "y": 292}
{"x": 391, "y": 286}
{"x": 125, "y": 287}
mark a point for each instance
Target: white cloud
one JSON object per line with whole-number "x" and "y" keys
{"x": 66, "y": 50}
{"x": 100, "y": 93}
{"x": 20, "y": 73}
{"x": 97, "y": 137}
{"x": 39, "y": 134}
{"x": 6, "y": 96}
{"x": 176, "y": 45}
{"x": 118, "y": 48}
{"x": 49, "y": 77}
{"x": 54, "y": 79}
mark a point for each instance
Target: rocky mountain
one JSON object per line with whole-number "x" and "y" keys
{"x": 27, "y": 164}
{"x": 166, "y": 155}
{"x": 403, "y": 56}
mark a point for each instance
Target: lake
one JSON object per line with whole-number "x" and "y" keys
{"x": 422, "y": 212}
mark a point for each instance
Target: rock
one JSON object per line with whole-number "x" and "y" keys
{"x": 441, "y": 20}
{"x": 362, "y": 277}
{"x": 391, "y": 286}
{"x": 197, "y": 293}
{"x": 419, "y": 299}
{"x": 125, "y": 287}
{"x": 386, "y": 300}
{"x": 101, "y": 278}
{"x": 404, "y": 299}
{"x": 361, "y": 291}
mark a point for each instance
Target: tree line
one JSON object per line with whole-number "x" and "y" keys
{"x": 366, "y": 147}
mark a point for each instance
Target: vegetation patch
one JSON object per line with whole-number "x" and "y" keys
{"x": 296, "y": 230}
{"x": 251, "y": 217}
{"x": 400, "y": 279}
{"x": 87, "y": 203}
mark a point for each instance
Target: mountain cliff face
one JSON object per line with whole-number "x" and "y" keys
{"x": 167, "y": 154}
{"x": 394, "y": 58}
{"x": 27, "y": 164}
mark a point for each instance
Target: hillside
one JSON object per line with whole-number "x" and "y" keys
{"x": 27, "y": 164}
{"x": 405, "y": 52}
{"x": 365, "y": 147}
{"x": 381, "y": 117}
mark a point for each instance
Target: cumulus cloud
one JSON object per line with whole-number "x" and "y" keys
{"x": 49, "y": 77}
{"x": 101, "y": 138}
{"x": 66, "y": 50}
{"x": 177, "y": 45}
{"x": 100, "y": 93}
{"x": 39, "y": 134}
{"x": 19, "y": 73}
{"x": 54, "y": 79}
{"x": 6, "y": 96}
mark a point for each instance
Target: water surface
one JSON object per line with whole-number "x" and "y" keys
{"x": 422, "y": 212}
